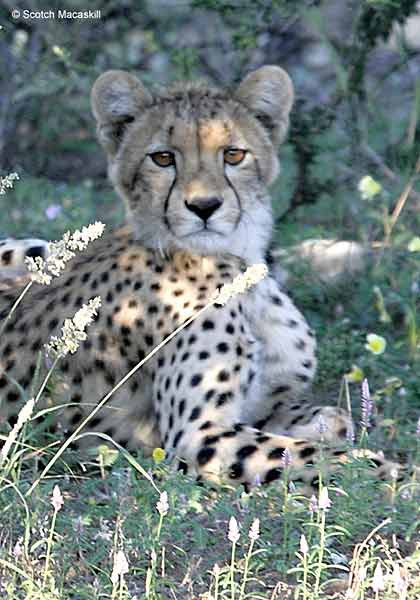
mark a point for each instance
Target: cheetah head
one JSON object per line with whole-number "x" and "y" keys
{"x": 192, "y": 163}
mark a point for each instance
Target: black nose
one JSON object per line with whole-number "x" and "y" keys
{"x": 203, "y": 207}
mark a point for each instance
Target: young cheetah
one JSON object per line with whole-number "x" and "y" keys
{"x": 192, "y": 165}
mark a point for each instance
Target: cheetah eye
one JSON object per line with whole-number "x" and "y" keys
{"x": 163, "y": 159}
{"x": 234, "y": 156}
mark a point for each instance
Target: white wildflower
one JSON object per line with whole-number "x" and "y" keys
{"x": 303, "y": 545}
{"x": 73, "y": 330}
{"x": 378, "y": 582}
{"x": 61, "y": 251}
{"x": 233, "y": 534}
{"x": 120, "y": 567}
{"x": 23, "y": 416}
{"x": 240, "y": 284}
{"x": 254, "y": 531}
{"x": 7, "y": 182}
{"x": 57, "y": 499}
{"x": 324, "y": 502}
{"x": 162, "y": 505}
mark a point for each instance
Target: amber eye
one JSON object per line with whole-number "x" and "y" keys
{"x": 163, "y": 159}
{"x": 234, "y": 156}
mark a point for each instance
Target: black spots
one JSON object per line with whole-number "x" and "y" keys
{"x": 77, "y": 379}
{"x": 209, "y": 395}
{"x": 183, "y": 467}
{"x": 296, "y": 407}
{"x": 179, "y": 379}
{"x": 209, "y": 440}
{"x": 276, "y": 453}
{"x": 110, "y": 379}
{"x": 314, "y": 483}
{"x": 276, "y": 300}
{"x": 292, "y": 323}
{"x": 161, "y": 361}
{"x": 139, "y": 323}
{"x": 192, "y": 279}
{"x": 261, "y": 423}
{"x": 171, "y": 421}
{"x": 238, "y": 427}
{"x": 192, "y": 339}
{"x": 78, "y": 302}
{"x": 302, "y": 377}
{"x": 306, "y": 452}
{"x": 196, "y": 380}
{"x": 185, "y": 356}
{"x": 12, "y": 396}
{"x": 280, "y": 389}
{"x": 65, "y": 299}
{"x": 125, "y": 331}
{"x": 76, "y": 418}
{"x": 153, "y": 309}
{"x": 37, "y": 322}
{"x": 222, "y": 348}
{"x": 178, "y": 292}
{"x": 99, "y": 364}
{"x": 109, "y": 298}
{"x": 223, "y": 376}
{"x": 104, "y": 277}
{"x": 246, "y": 451}
{"x": 205, "y": 455}
{"x": 181, "y": 407}
{"x": 132, "y": 303}
{"x": 261, "y": 438}
{"x": 85, "y": 278}
{"x": 167, "y": 383}
{"x": 236, "y": 470}
{"x": 6, "y": 258}
{"x": 223, "y": 398}
{"x": 155, "y": 287}
{"x": 297, "y": 419}
{"x": 102, "y": 342}
{"x": 251, "y": 376}
{"x": 206, "y": 425}
{"x": 8, "y": 349}
{"x": 76, "y": 398}
{"x": 342, "y": 433}
{"x": 207, "y": 325}
{"x": 114, "y": 266}
{"x": 138, "y": 285}
{"x": 300, "y": 345}
{"x": 239, "y": 350}
{"x": 231, "y": 433}
{"x": 195, "y": 413}
{"x": 158, "y": 269}
{"x": 3, "y": 382}
{"x": 307, "y": 364}
{"x": 177, "y": 437}
{"x": 119, "y": 287}
{"x": 230, "y": 329}
{"x": 149, "y": 340}
{"x": 272, "y": 475}
{"x": 203, "y": 355}
{"x": 310, "y": 333}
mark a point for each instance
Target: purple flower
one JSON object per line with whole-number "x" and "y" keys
{"x": 52, "y": 211}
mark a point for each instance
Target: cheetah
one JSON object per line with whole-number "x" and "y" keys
{"x": 192, "y": 164}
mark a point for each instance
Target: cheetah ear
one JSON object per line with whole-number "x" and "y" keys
{"x": 268, "y": 93}
{"x": 117, "y": 99}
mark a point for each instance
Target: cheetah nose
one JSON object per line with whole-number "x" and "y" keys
{"x": 203, "y": 207}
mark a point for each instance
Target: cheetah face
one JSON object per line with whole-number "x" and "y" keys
{"x": 193, "y": 163}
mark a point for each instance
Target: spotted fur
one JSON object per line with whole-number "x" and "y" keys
{"x": 223, "y": 397}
